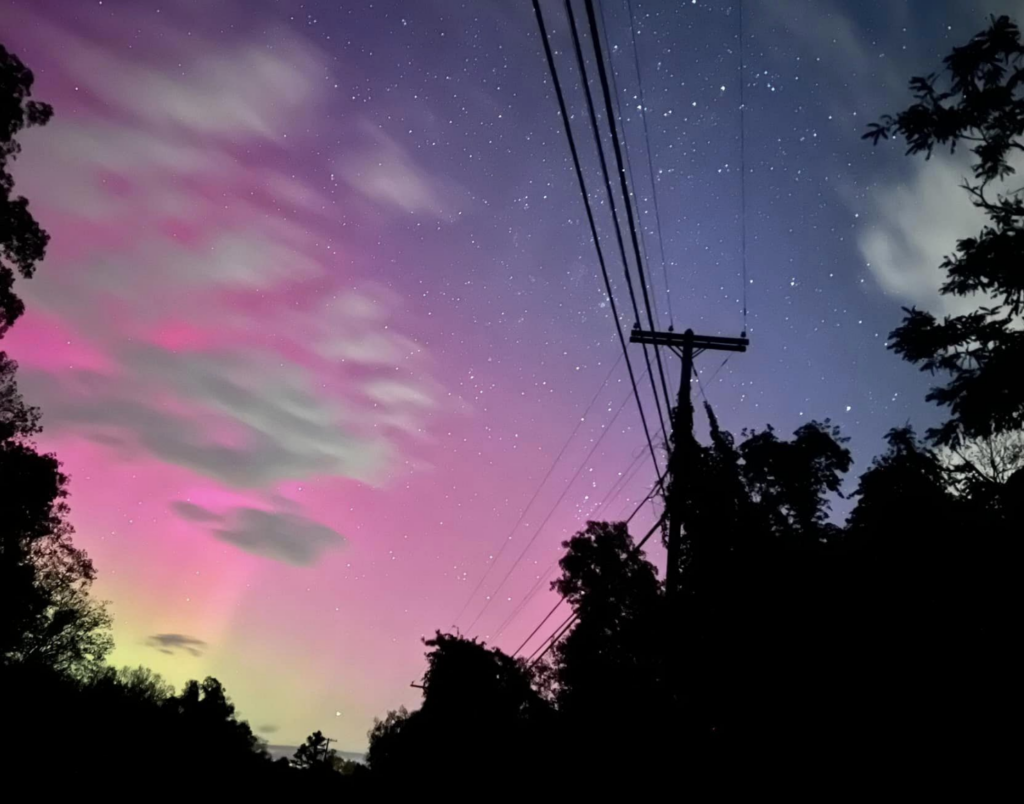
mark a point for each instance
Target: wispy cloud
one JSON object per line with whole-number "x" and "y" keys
{"x": 282, "y": 535}
{"x": 913, "y": 214}
{"x": 912, "y": 225}
{"x": 194, "y": 513}
{"x": 172, "y": 644}
{"x": 386, "y": 173}
{"x": 279, "y": 535}
{"x": 246, "y": 91}
{"x": 235, "y": 417}
{"x": 214, "y": 323}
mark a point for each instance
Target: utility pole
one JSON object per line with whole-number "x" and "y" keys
{"x": 687, "y": 346}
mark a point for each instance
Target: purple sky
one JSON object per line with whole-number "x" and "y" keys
{"x": 321, "y": 307}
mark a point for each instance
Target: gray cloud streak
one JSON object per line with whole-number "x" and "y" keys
{"x": 282, "y": 536}
{"x": 279, "y": 429}
{"x": 177, "y": 643}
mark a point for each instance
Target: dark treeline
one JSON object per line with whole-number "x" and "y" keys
{"x": 801, "y": 648}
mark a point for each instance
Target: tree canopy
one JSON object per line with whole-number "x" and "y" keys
{"x": 975, "y": 102}
{"x": 22, "y": 241}
{"x": 49, "y": 616}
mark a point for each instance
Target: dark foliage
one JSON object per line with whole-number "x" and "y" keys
{"x": 616, "y": 594}
{"x": 977, "y": 102}
{"x": 480, "y": 714}
{"x": 315, "y": 753}
{"x": 800, "y": 648}
{"x": 22, "y": 241}
{"x": 128, "y": 731}
{"x": 48, "y": 617}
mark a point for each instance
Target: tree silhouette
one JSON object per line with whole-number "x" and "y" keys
{"x": 757, "y": 580}
{"x": 789, "y": 482}
{"x": 142, "y": 684}
{"x": 45, "y": 580}
{"x": 977, "y": 102}
{"x": 912, "y": 601}
{"x": 389, "y": 739}
{"x": 479, "y": 709}
{"x": 17, "y": 420}
{"x": 48, "y": 617}
{"x": 314, "y": 753}
{"x": 609, "y": 669}
{"x": 22, "y": 241}
{"x": 208, "y": 711}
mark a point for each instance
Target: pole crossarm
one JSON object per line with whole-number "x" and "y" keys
{"x": 687, "y": 345}
{"x": 679, "y": 339}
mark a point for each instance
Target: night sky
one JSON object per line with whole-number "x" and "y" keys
{"x": 321, "y": 306}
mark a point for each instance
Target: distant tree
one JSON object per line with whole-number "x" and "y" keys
{"x": 977, "y": 102}
{"x": 347, "y": 767}
{"x": 616, "y": 642}
{"x": 905, "y": 517}
{"x": 479, "y": 709}
{"x": 48, "y": 616}
{"x": 609, "y": 673}
{"x": 911, "y": 598}
{"x": 388, "y": 740}
{"x": 789, "y": 482}
{"x": 314, "y": 753}
{"x": 142, "y": 684}
{"x": 22, "y": 241}
{"x": 207, "y": 711}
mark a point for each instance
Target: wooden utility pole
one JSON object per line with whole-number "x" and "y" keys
{"x": 687, "y": 346}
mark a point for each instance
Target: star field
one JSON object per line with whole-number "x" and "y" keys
{"x": 322, "y": 307}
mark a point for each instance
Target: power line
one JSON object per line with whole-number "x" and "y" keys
{"x": 720, "y": 367}
{"x": 526, "y": 599}
{"x": 540, "y": 625}
{"x": 602, "y": 72}
{"x": 743, "y": 167}
{"x": 619, "y": 484}
{"x": 546, "y": 41}
{"x": 537, "y": 491}
{"x": 625, "y": 480}
{"x": 572, "y": 618}
{"x": 650, "y": 163}
{"x": 549, "y": 643}
{"x": 595, "y": 129}
{"x": 643, "y": 502}
{"x": 629, "y": 163}
{"x": 554, "y": 507}
{"x": 700, "y": 385}
{"x": 612, "y": 495}
{"x": 537, "y": 584}
{"x": 648, "y": 498}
